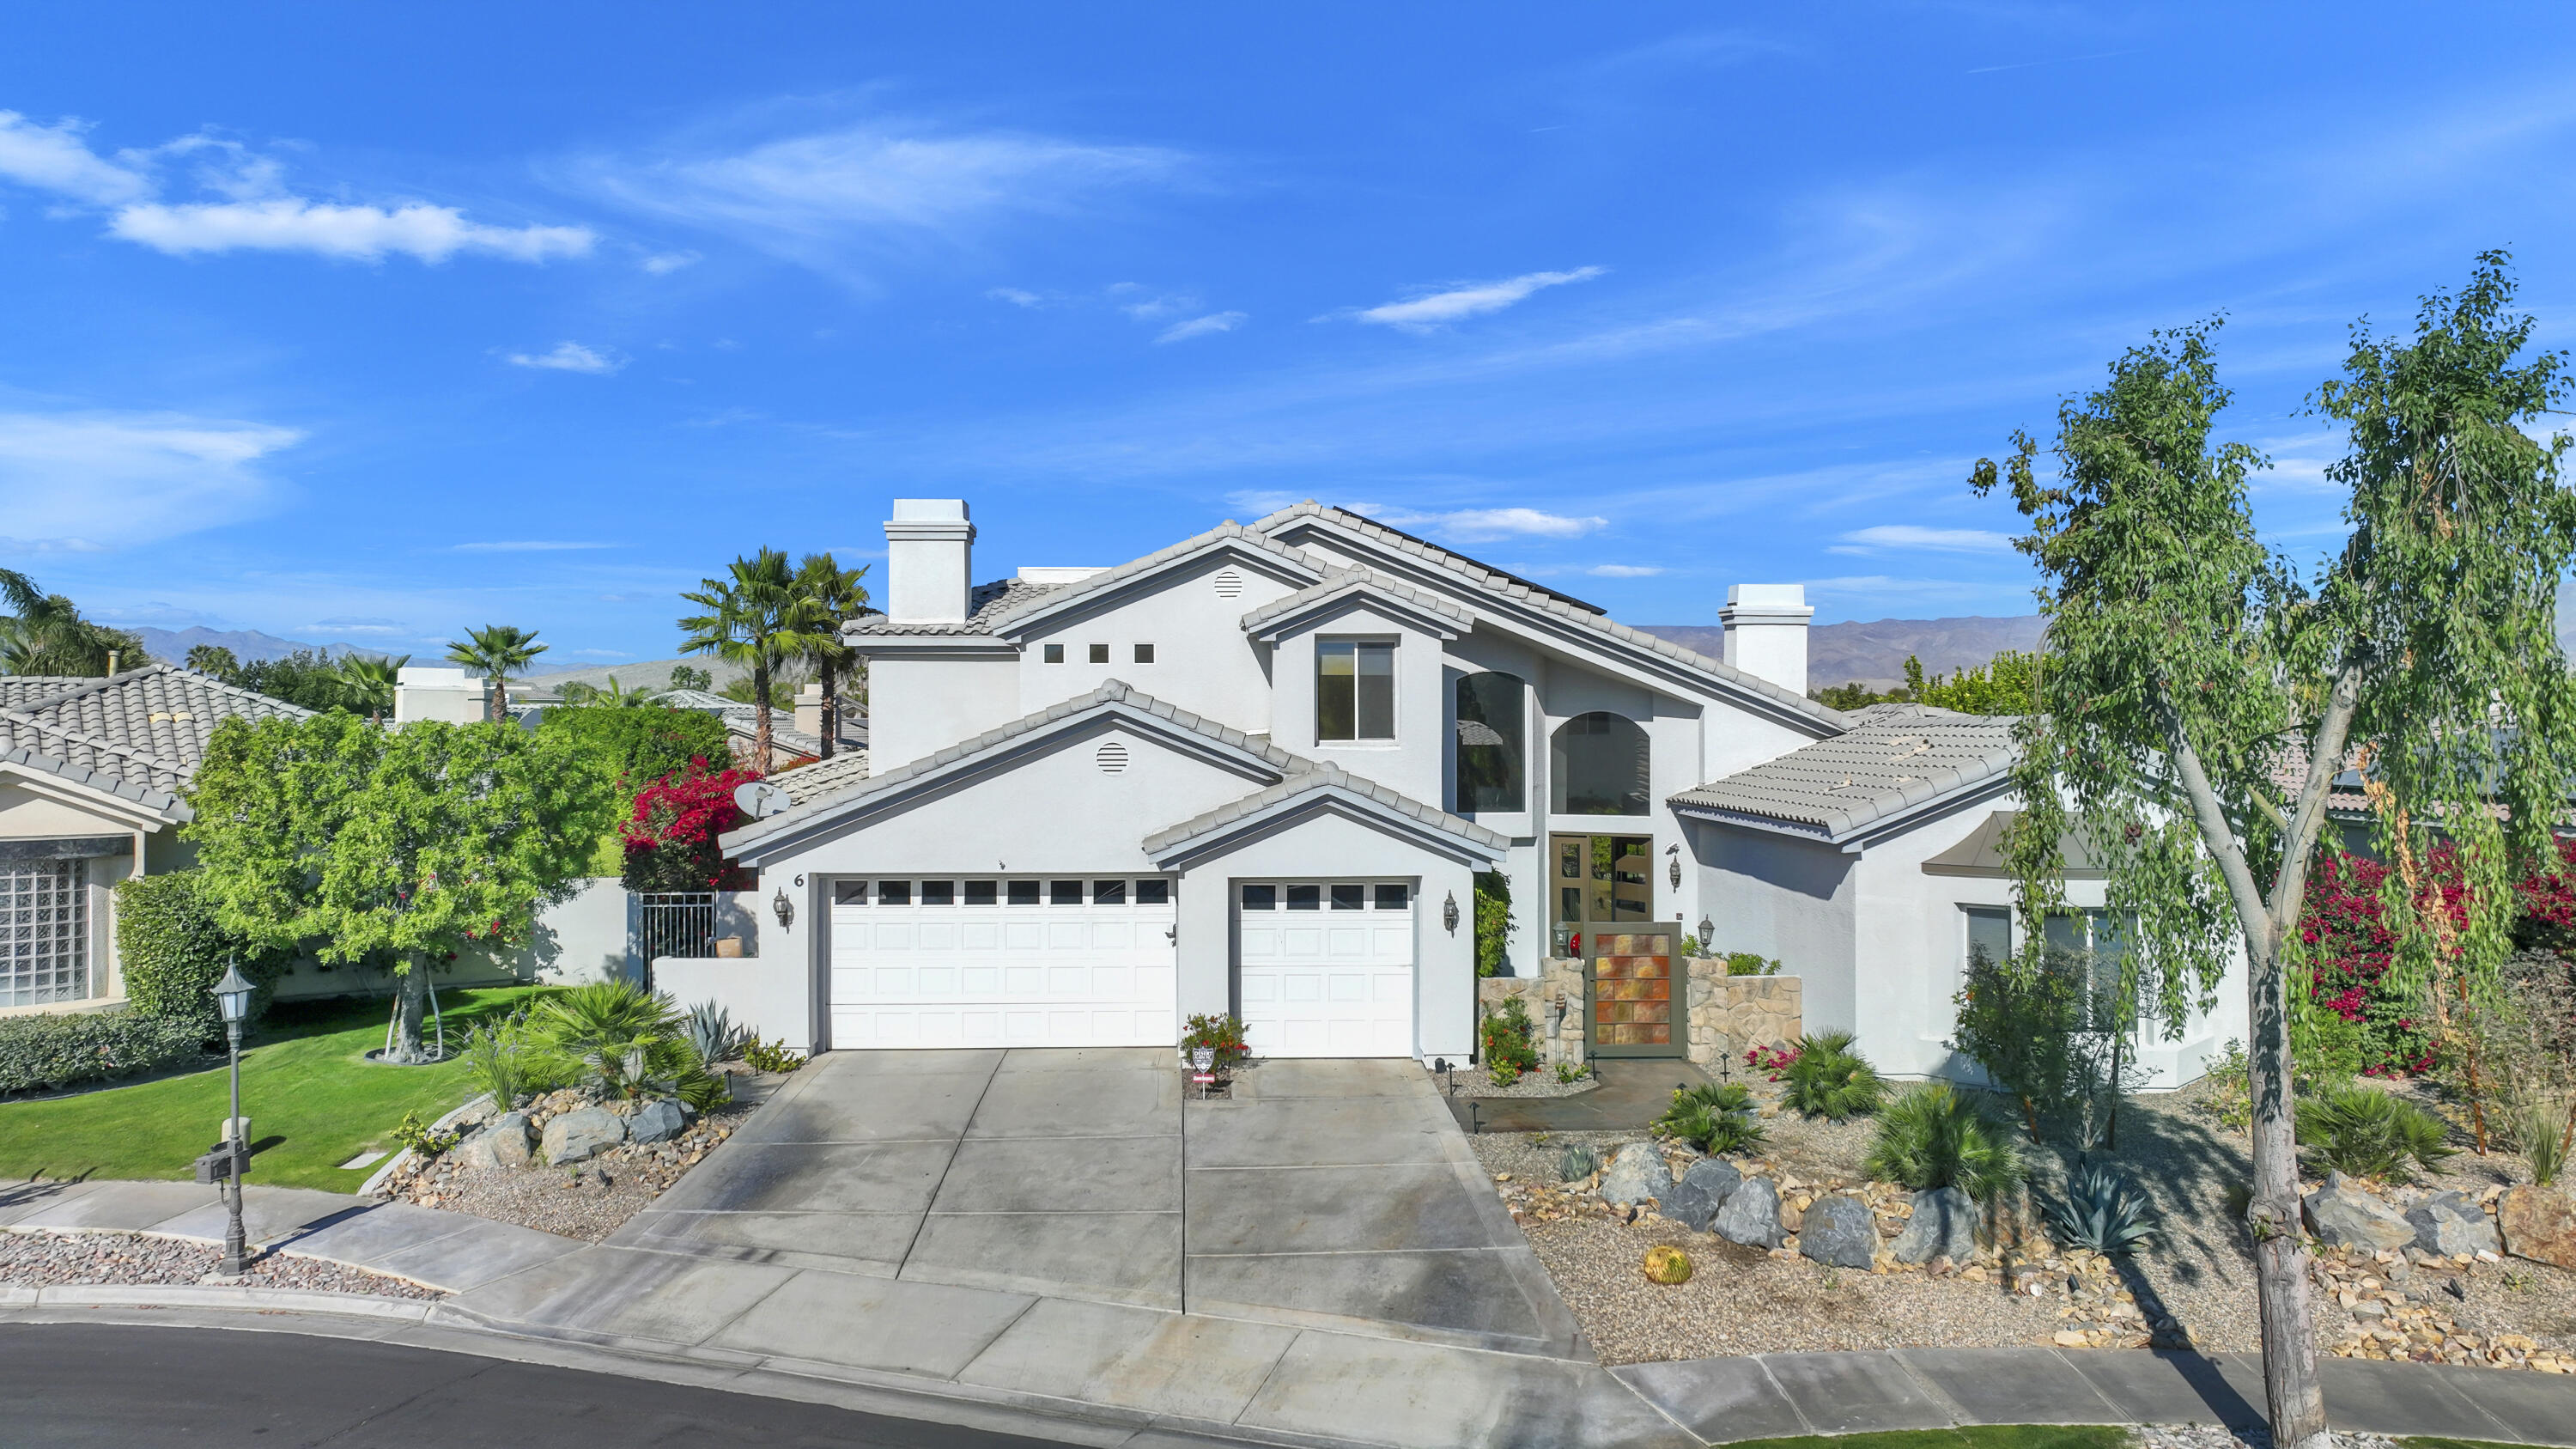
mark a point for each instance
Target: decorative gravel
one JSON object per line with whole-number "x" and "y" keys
{"x": 589, "y": 1200}
{"x": 43, "y": 1258}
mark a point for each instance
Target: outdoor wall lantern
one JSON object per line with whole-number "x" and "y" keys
{"x": 1706, "y": 931}
{"x": 1675, "y": 851}
{"x": 784, "y": 908}
{"x": 1449, "y": 913}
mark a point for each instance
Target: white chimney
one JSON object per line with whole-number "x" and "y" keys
{"x": 928, "y": 567}
{"x": 432, "y": 691}
{"x": 1766, "y": 632}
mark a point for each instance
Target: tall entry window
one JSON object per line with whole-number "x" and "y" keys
{"x": 1492, "y": 722}
{"x": 1354, "y": 690}
{"x": 1598, "y": 766}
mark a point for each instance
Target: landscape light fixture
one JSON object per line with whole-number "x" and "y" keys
{"x": 232, "y": 1001}
{"x": 783, "y": 908}
{"x": 1707, "y": 929}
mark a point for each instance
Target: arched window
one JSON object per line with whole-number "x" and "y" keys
{"x": 1597, "y": 766}
{"x": 1492, "y": 723}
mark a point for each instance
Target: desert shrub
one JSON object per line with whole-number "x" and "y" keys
{"x": 1511, "y": 1046}
{"x": 512, "y": 1059}
{"x": 43, "y": 1053}
{"x": 632, "y": 1040}
{"x": 711, "y": 1030}
{"x": 1493, "y": 921}
{"x": 2364, "y": 1132}
{"x": 173, "y": 952}
{"x": 1934, "y": 1136}
{"x": 2541, "y": 1131}
{"x": 2229, "y": 1096}
{"x": 421, "y": 1138}
{"x": 1829, "y": 1079}
{"x": 1713, "y": 1118}
{"x": 772, "y": 1057}
{"x": 2102, "y": 1210}
{"x": 1569, "y": 1073}
{"x": 1746, "y": 963}
{"x": 1577, "y": 1162}
{"x": 1223, "y": 1034}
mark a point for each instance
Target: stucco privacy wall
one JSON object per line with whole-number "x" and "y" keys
{"x": 585, "y": 938}
{"x": 1787, "y": 899}
{"x": 773, "y": 997}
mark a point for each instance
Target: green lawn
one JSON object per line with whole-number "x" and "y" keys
{"x": 312, "y": 1102}
{"x": 1979, "y": 1436}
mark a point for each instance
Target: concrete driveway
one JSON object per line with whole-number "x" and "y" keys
{"x": 1331, "y": 1194}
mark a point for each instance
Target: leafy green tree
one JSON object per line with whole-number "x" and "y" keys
{"x": 2187, "y": 667}
{"x": 837, "y": 595}
{"x": 307, "y": 678}
{"x": 756, "y": 618}
{"x": 214, "y": 659}
{"x": 405, "y": 846}
{"x": 2007, "y": 684}
{"x": 496, "y": 651}
{"x": 638, "y": 746}
{"x": 367, "y": 684}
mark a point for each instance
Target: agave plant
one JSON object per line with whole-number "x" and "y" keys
{"x": 1829, "y": 1079}
{"x": 2102, "y": 1210}
{"x": 711, "y": 1030}
{"x": 2370, "y": 1133}
{"x": 1577, "y": 1162}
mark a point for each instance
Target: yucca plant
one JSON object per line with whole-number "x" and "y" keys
{"x": 2363, "y": 1132}
{"x": 1934, "y": 1137}
{"x": 1829, "y": 1079}
{"x": 2102, "y": 1210}
{"x": 1713, "y": 1118}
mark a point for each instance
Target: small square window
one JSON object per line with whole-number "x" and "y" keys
{"x": 1024, "y": 893}
{"x": 980, "y": 892}
{"x": 939, "y": 893}
{"x": 894, "y": 893}
{"x": 1305, "y": 898}
{"x": 1349, "y": 897}
{"x": 1144, "y": 653}
{"x": 849, "y": 893}
{"x": 1109, "y": 893}
{"x": 1153, "y": 892}
{"x": 1054, "y": 654}
{"x": 1260, "y": 898}
{"x": 1394, "y": 897}
{"x": 1099, "y": 653}
{"x": 1064, "y": 893}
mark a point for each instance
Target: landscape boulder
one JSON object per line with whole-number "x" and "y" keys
{"x": 2344, "y": 1216}
{"x": 659, "y": 1120}
{"x": 1751, "y": 1215}
{"x": 1635, "y": 1174}
{"x": 1701, "y": 1192}
{"x": 2452, "y": 1224}
{"x": 1839, "y": 1230}
{"x": 504, "y": 1142}
{"x": 582, "y": 1135}
{"x": 1944, "y": 1225}
{"x": 2540, "y": 1224}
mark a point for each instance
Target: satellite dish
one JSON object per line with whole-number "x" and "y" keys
{"x": 760, "y": 799}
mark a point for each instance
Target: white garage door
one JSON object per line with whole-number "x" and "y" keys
{"x": 931, "y": 962}
{"x": 1327, "y": 968}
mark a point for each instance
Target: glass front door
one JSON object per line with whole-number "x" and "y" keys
{"x": 1602, "y": 909}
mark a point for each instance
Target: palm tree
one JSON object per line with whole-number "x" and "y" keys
{"x": 755, "y": 618}
{"x": 496, "y": 651}
{"x": 213, "y": 659}
{"x": 837, "y": 596}
{"x": 47, "y": 635}
{"x": 368, "y": 684}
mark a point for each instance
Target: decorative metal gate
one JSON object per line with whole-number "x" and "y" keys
{"x": 1637, "y": 1008}
{"x": 675, "y": 923}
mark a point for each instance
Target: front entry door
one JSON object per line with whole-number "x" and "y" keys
{"x": 1602, "y": 909}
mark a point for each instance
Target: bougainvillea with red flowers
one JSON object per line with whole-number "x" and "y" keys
{"x": 671, "y": 837}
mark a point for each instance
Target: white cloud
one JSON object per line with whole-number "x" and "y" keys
{"x": 361, "y": 233}
{"x": 1207, "y": 326}
{"x": 56, "y": 159}
{"x": 569, "y": 357}
{"x": 1623, "y": 571}
{"x": 1472, "y": 299}
{"x": 80, "y": 481}
{"x": 1015, "y": 296}
{"x": 1887, "y": 536}
{"x": 525, "y": 546}
{"x": 662, "y": 264}
{"x": 1483, "y": 523}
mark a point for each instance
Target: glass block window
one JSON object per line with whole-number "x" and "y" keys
{"x": 44, "y": 932}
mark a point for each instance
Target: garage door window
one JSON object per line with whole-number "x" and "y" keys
{"x": 1350, "y": 897}
{"x": 980, "y": 892}
{"x": 1109, "y": 893}
{"x": 1261, "y": 898}
{"x": 894, "y": 893}
{"x": 939, "y": 893}
{"x": 1153, "y": 892}
{"x": 1064, "y": 893}
{"x": 1345, "y": 896}
{"x": 1394, "y": 896}
{"x": 1024, "y": 893}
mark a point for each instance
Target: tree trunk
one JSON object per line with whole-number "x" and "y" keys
{"x": 760, "y": 717}
{"x": 496, "y": 699}
{"x": 831, "y": 710}
{"x": 2294, "y": 1399}
{"x": 411, "y": 1001}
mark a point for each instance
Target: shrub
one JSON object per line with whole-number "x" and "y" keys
{"x": 1829, "y": 1079}
{"x": 1493, "y": 921}
{"x": 1770, "y": 1060}
{"x": 671, "y": 833}
{"x": 42, "y": 1053}
{"x": 2541, "y": 1131}
{"x": 1746, "y": 963}
{"x": 172, "y": 952}
{"x": 2020, "y": 1025}
{"x": 631, "y": 1039}
{"x": 639, "y": 745}
{"x": 2230, "y": 1093}
{"x": 1713, "y": 1118}
{"x": 1577, "y": 1162}
{"x": 1934, "y": 1137}
{"x": 772, "y": 1057}
{"x": 1569, "y": 1073}
{"x": 1224, "y": 1034}
{"x": 411, "y": 1132}
{"x": 2365, "y": 1132}
{"x": 1511, "y": 1047}
{"x": 512, "y": 1060}
{"x": 2102, "y": 1210}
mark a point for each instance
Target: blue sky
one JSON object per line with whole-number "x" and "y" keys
{"x": 374, "y": 329}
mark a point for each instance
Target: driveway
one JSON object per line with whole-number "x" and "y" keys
{"x": 1331, "y": 1194}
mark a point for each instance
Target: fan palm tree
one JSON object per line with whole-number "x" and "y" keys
{"x": 837, "y": 596}
{"x": 755, "y": 618}
{"x": 496, "y": 651}
{"x": 45, "y": 634}
{"x": 368, "y": 684}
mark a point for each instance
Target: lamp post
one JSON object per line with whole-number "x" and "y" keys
{"x": 232, "y": 999}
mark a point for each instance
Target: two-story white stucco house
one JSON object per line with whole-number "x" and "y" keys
{"x": 1257, "y": 772}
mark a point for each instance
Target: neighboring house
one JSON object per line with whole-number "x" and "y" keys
{"x": 1257, "y": 773}
{"x": 788, "y": 741}
{"x": 91, "y": 775}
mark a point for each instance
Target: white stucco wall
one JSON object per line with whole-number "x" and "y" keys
{"x": 920, "y": 704}
{"x": 1787, "y": 899}
{"x": 1411, "y": 762}
{"x": 772, "y": 996}
{"x": 1202, "y": 661}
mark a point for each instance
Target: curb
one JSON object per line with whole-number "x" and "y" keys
{"x": 201, "y": 1295}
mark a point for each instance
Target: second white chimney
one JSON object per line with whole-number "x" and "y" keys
{"x": 929, "y": 561}
{"x": 1766, "y": 632}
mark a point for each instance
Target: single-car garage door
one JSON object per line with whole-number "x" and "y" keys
{"x": 1327, "y": 968}
{"x": 943, "y": 962}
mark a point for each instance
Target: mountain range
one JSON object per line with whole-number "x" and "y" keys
{"x": 248, "y": 645}
{"x": 1874, "y": 653}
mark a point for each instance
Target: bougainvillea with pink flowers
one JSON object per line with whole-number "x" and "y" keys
{"x": 671, "y": 836}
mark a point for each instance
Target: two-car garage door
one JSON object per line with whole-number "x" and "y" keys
{"x": 952, "y": 962}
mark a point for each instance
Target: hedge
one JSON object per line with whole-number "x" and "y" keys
{"x": 43, "y": 1052}
{"x": 172, "y": 952}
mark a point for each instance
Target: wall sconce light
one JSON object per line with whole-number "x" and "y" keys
{"x": 1675, "y": 852}
{"x": 784, "y": 908}
{"x": 1449, "y": 913}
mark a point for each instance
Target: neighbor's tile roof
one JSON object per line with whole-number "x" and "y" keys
{"x": 140, "y": 734}
{"x": 1320, "y": 777}
{"x": 1895, "y": 757}
{"x": 985, "y": 603}
{"x": 807, "y": 783}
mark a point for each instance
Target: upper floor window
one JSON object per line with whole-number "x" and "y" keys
{"x": 1492, "y": 723}
{"x": 1598, "y": 766}
{"x": 1054, "y": 654}
{"x": 1354, "y": 690}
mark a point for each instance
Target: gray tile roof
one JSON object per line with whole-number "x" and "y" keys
{"x": 995, "y": 607}
{"x": 1323, "y": 777}
{"x": 144, "y": 730}
{"x": 1895, "y": 757}
{"x": 807, "y": 783}
{"x": 1340, "y": 581}
{"x": 984, "y": 604}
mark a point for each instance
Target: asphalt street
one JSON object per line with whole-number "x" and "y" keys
{"x": 139, "y": 1388}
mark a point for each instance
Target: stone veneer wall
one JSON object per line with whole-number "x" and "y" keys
{"x": 1726, "y": 1013}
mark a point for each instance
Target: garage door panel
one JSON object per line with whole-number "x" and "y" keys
{"x": 919, "y": 975}
{"x": 1334, "y": 982}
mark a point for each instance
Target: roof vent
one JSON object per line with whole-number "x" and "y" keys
{"x": 1111, "y": 757}
{"x": 1229, "y": 584}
